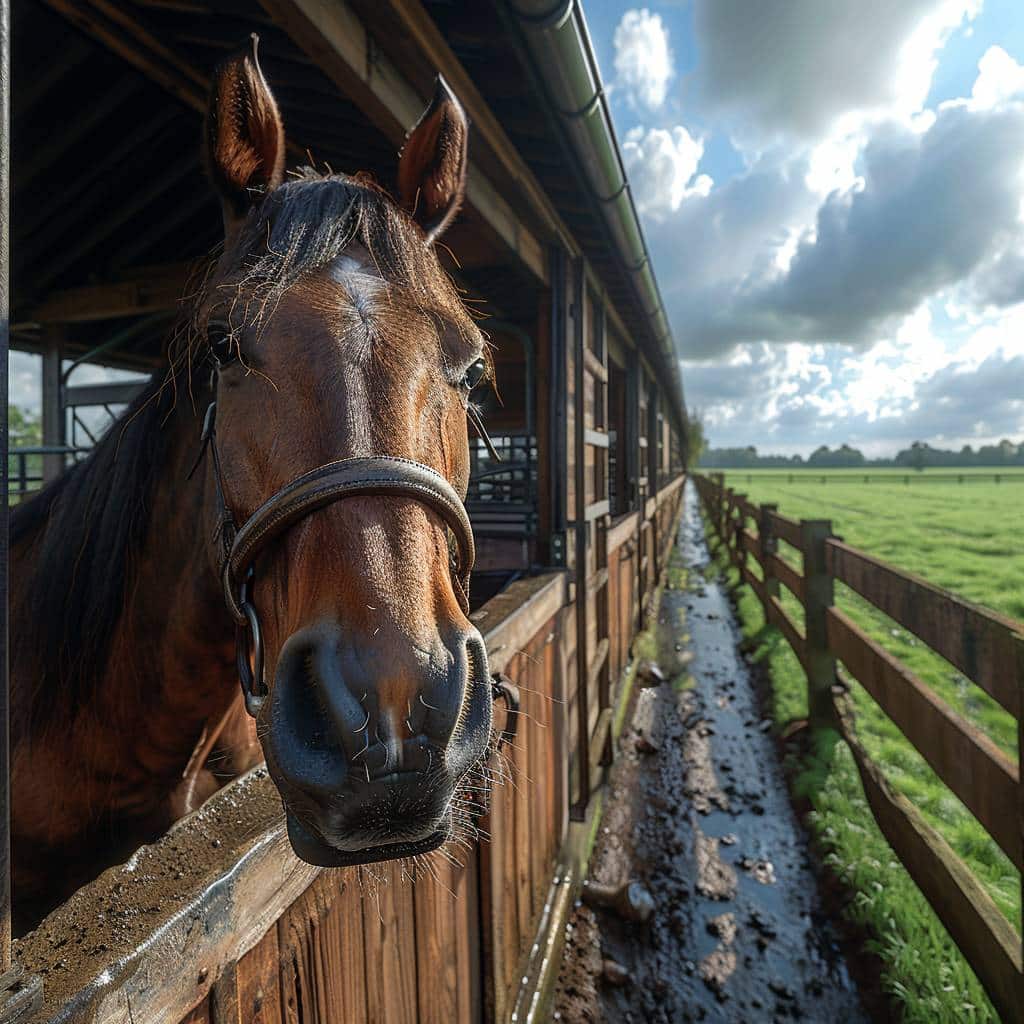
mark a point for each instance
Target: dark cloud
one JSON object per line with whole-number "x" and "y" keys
{"x": 935, "y": 208}
{"x": 932, "y": 208}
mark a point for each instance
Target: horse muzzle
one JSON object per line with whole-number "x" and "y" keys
{"x": 368, "y": 768}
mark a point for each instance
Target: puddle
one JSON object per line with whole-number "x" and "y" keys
{"x": 700, "y": 815}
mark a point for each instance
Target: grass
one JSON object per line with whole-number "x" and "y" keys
{"x": 962, "y": 537}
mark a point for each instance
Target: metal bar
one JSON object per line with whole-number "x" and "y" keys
{"x": 53, "y": 408}
{"x": 5, "y": 313}
{"x": 579, "y": 808}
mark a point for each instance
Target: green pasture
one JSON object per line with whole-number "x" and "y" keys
{"x": 966, "y": 537}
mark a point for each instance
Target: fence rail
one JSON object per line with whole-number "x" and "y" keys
{"x": 986, "y": 647}
{"x": 839, "y": 475}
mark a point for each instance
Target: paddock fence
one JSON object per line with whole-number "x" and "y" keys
{"x": 987, "y": 648}
{"x": 839, "y": 475}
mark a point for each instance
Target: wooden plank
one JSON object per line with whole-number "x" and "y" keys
{"x": 117, "y": 31}
{"x": 511, "y": 619}
{"x": 596, "y": 509}
{"x": 622, "y": 530}
{"x": 776, "y": 615}
{"x": 985, "y": 937}
{"x": 389, "y": 930}
{"x": 254, "y": 993}
{"x": 786, "y": 529}
{"x": 977, "y": 641}
{"x": 321, "y": 951}
{"x": 524, "y": 840}
{"x": 596, "y": 581}
{"x": 438, "y": 976}
{"x": 747, "y": 507}
{"x": 335, "y": 39}
{"x": 598, "y": 741}
{"x": 966, "y": 760}
{"x": 199, "y": 1014}
{"x": 597, "y": 663}
{"x": 786, "y": 575}
{"x": 594, "y": 366}
{"x": 669, "y": 490}
{"x": 161, "y": 289}
{"x": 157, "y": 962}
{"x": 596, "y": 438}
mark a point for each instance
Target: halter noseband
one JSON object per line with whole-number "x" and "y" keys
{"x": 377, "y": 475}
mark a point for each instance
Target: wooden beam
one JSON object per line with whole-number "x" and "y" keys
{"x": 425, "y": 33}
{"x": 963, "y": 757}
{"x": 116, "y": 29}
{"x": 161, "y": 289}
{"x": 985, "y": 937}
{"x": 979, "y": 642}
{"x": 336, "y": 40}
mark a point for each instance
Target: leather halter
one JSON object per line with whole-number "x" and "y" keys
{"x": 373, "y": 476}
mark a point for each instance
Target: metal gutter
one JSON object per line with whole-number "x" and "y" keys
{"x": 556, "y": 36}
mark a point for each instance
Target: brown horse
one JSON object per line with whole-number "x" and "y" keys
{"x": 326, "y": 331}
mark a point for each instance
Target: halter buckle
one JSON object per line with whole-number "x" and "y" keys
{"x": 249, "y": 650}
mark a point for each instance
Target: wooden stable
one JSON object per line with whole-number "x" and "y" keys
{"x": 218, "y": 921}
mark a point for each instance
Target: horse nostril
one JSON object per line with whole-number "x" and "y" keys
{"x": 311, "y": 700}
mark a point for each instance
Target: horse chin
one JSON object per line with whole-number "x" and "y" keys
{"x": 315, "y": 851}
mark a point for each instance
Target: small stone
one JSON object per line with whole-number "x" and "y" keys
{"x": 614, "y": 973}
{"x": 646, "y": 746}
{"x": 650, "y": 674}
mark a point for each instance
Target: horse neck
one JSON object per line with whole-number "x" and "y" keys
{"x": 175, "y": 629}
{"x": 169, "y": 661}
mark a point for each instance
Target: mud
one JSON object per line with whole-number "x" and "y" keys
{"x": 699, "y": 813}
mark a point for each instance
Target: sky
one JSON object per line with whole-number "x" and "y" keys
{"x": 833, "y": 195}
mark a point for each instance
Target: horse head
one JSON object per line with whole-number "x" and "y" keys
{"x": 339, "y": 341}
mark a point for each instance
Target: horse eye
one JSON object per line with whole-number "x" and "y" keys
{"x": 474, "y": 374}
{"x": 222, "y": 345}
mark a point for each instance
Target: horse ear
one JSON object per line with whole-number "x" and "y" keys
{"x": 244, "y": 134}
{"x": 432, "y": 167}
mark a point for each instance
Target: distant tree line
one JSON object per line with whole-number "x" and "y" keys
{"x": 920, "y": 455}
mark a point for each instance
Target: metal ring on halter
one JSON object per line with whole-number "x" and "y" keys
{"x": 249, "y": 645}
{"x": 502, "y": 688}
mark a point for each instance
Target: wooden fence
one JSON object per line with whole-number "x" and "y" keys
{"x": 987, "y": 648}
{"x": 844, "y": 476}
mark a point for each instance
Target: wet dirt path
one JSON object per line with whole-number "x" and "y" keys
{"x": 698, "y": 813}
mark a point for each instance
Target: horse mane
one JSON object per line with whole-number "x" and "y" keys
{"x": 92, "y": 522}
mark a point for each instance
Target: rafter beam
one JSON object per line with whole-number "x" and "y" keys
{"x": 334, "y": 38}
{"x": 159, "y": 288}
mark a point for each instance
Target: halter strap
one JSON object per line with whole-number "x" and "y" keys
{"x": 378, "y": 475}
{"x": 372, "y": 476}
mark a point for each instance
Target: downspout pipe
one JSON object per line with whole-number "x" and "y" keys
{"x": 556, "y": 36}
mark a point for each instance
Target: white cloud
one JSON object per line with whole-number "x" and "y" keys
{"x": 1000, "y": 78}
{"x": 805, "y": 69}
{"x": 793, "y": 397}
{"x": 933, "y": 206}
{"x": 662, "y": 166}
{"x": 643, "y": 58}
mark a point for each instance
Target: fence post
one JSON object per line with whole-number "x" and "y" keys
{"x": 719, "y": 479}
{"x": 740, "y": 526}
{"x": 727, "y": 518}
{"x": 1019, "y": 645}
{"x": 769, "y": 545}
{"x": 819, "y": 595}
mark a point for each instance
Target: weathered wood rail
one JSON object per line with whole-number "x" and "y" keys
{"x": 983, "y": 645}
